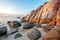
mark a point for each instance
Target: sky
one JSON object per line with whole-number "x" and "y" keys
{"x": 19, "y": 7}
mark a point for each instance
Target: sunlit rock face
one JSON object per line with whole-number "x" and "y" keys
{"x": 46, "y": 14}
{"x": 58, "y": 16}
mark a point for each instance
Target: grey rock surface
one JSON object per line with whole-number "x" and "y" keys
{"x": 3, "y": 31}
{"x": 34, "y": 34}
{"x": 28, "y": 25}
{"x": 15, "y": 23}
{"x": 18, "y": 35}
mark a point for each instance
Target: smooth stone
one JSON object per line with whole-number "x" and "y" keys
{"x": 15, "y": 24}
{"x": 28, "y": 25}
{"x": 3, "y": 31}
{"x": 18, "y": 35}
{"x": 34, "y": 34}
{"x": 52, "y": 35}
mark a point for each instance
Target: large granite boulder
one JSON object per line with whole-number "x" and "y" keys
{"x": 28, "y": 25}
{"x": 14, "y": 24}
{"x": 34, "y": 34}
{"x": 52, "y": 35}
{"x": 3, "y": 31}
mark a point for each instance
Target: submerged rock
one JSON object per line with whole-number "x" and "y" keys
{"x": 18, "y": 35}
{"x": 3, "y": 31}
{"x": 28, "y": 25}
{"x": 14, "y": 24}
{"x": 34, "y": 34}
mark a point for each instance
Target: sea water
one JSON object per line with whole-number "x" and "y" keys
{"x": 8, "y": 18}
{"x": 3, "y": 22}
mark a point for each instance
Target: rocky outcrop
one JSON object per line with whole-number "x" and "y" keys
{"x": 46, "y": 14}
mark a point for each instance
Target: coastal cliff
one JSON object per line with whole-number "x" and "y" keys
{"x": 46, "y": 14}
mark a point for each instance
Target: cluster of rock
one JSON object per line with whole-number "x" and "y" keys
{"x": 48, "y": 14}
{"x": 12, "y": 24}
